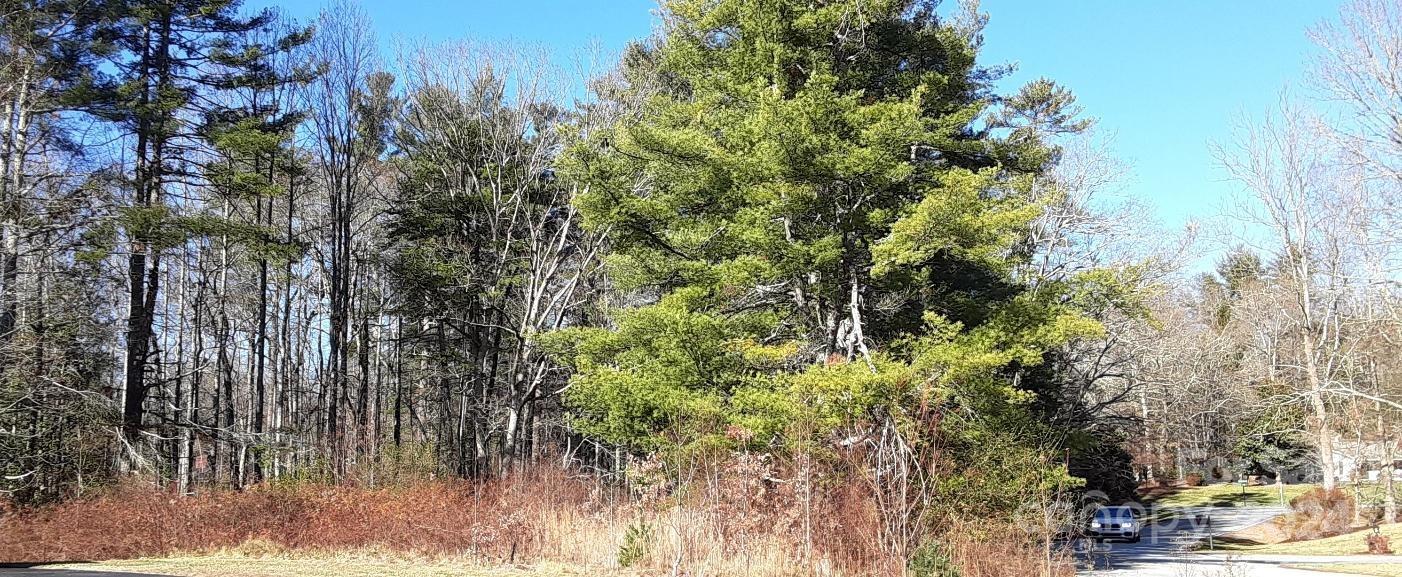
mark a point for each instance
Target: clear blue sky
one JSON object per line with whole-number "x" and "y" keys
{"x": 1166, "y": 78}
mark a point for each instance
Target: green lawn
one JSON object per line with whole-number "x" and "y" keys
{"x": 1227, "y": 495}
{"x": 1377, "y": 569}
{"x": 1232, "y": 495}
{"x": 1350, "y": 544}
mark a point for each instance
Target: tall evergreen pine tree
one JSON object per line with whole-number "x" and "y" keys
{"x": 168, "y": 60}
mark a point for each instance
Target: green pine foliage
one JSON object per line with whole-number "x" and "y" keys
{"x": 930, "y": 560}
{"x": 636, "y": 540}
{"x": 800, "y": 161}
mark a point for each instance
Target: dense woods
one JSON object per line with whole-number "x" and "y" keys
{"x": 814, "y": 242}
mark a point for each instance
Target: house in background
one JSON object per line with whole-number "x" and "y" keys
{"x": 1366, "y": 459}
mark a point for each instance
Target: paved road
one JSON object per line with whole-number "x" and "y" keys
{"x": 1160, "y": 553}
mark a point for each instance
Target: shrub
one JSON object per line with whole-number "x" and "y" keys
{"x": 1317, "y": 514}
{"x": 635, "y": 543}
{"x": 930, "y": 560}
{"x": 1378, "y": 545}
{"x": 1193, "y": 480}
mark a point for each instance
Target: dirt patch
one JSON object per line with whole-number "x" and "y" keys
{"x": 1268, "y": 533}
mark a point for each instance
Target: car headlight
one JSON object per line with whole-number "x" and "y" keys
{"x": 1095, "y": 525}
{"x": 1129, "y": 525}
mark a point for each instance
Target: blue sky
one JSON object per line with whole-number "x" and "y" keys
{"x": 1165, "y": 78}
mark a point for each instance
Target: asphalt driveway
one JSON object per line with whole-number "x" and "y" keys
{"x": 1161, "y": 552}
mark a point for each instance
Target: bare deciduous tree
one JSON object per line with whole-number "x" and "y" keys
{"x": 1360, "y": 69}
{"x": 1301, "y": 208}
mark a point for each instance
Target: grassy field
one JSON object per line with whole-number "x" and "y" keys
{"x": 1378, "y": 569}
{"x": 331, "y": 566}
{"x": 1225, "y": 495}
{"x": 1350, "y": 544}
{"x": 1232, "y": 495}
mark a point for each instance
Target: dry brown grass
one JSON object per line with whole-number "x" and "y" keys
{"x": 1259, "y": 534}
{"x": 498, "y": 521}
{"x": 990, "y": 551}
{"x": 237, "y": 563}
{"x": 502, "y": 521}
{"x": 745, "y": 518}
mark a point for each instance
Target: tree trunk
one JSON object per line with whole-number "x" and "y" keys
{"x": 363, "y": 397}
{"x": 260, "y": 345}
{"x": 182, "y": 409}
{"x": 224, "y": 392}
{"x": 12, "y": 161}
{"x": 398, "y": 384}
{"x": 1324, "y": 433}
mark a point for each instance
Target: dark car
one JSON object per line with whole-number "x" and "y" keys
{"x": 1114, "y": 523}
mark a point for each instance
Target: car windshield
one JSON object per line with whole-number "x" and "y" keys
{"x": 1114, "y": 513}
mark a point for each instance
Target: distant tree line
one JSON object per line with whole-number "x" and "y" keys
{"x": 1283, "y": 360}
